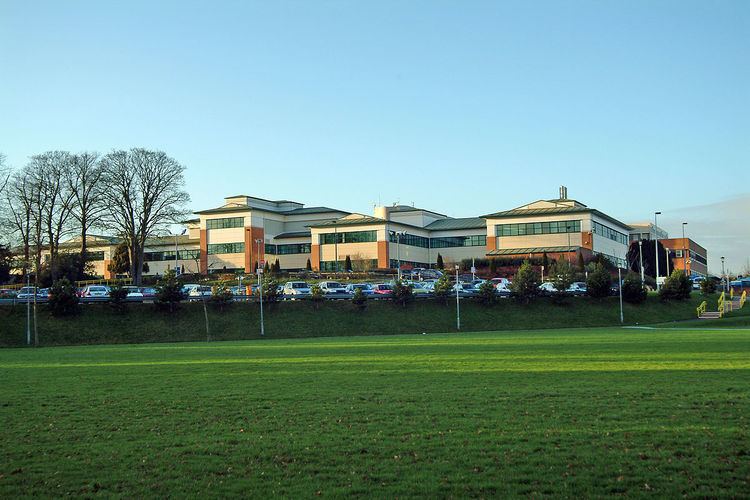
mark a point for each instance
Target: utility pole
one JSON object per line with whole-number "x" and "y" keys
{"x": 619, "y": 281}
{"x": 640, "y": 254}
{"x": 260, "y": 290}
{"x": 656, "y": 249}
{"x": 28, "y": 306}
{"x": 458, "y": 306}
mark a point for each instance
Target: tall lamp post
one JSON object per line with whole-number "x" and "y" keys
{"x": 458, "y": 306}
{"x": 260, "y": 290}
{"x": 656, "y": 249}
{"x": 723, "y": 275}
{"x": 684, "y": 250}
{"x": 398, "y": 235}
{"x": 176, "y": 253}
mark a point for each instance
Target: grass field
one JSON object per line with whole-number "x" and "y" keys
{"x": 584, "y": 412}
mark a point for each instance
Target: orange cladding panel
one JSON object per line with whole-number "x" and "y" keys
{"x": 203, "y": 267}
{"x": 383, "y": 262}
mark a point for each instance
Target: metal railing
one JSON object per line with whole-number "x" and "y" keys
{"x": 701, "y": 308}
{"x": 743, "y": 298}
{"x": 722, "y": 304}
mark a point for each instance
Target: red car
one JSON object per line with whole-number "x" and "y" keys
{"x": 382, "y": 289}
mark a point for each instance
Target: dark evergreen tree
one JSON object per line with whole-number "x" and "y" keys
{"x": 309, "y": 265}
{"x": 348, "y": 264}
{"x": 120, "y": 260}
{"x": 599, "y": 282}
{"x": 581, "y": 263}
{"x": 440, "y": 264}
{"x": 649, "y": 258}
{"x": 6, "y": 262}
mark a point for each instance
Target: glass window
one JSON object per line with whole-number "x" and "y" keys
{"x": 218, "y": 248}
{"x": 95, "y": 255}
{"x": 293, "y": 248}
{"x": 531, "y": 228}
{"x": 225, "y": 223}
{"x": 610, "y": 233}
{"x": 409, "y": 239}
{"x": 477, "y": 240}
{"x": 348, "y": 237}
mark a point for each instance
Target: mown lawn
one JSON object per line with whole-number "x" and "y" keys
{"x": 587, "y": 412}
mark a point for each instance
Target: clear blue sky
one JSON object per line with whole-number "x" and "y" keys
{"x": 463, "y": 107}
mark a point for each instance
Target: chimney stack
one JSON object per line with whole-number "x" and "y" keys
{"x": 563, "y": 193}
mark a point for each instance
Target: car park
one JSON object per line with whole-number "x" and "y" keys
{"x": 464, "y": 288}
{"x": 297, "y": 289}
{"x": 28, "y": 292}
{"x": 199, "y": 292}
{"x": 133, "y": 292}
{"x": 365, "y": 287}
{"x": 578, "y": 288}
{"x": 332, "y": 288}
{"x": 419, "y": 289}
{"x": 148, "y": 292}
{"x": 6, "y": 293}
{"x": 547, "y": 288}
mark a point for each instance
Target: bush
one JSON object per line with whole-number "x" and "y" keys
{"x": 63, "y": 300}
{"x": 270, "y": 290}
{"x": 561, "y": 275}
{"x": 487, "y": 293}
{"x": 316, "y": 295}
{"x": 599, "y": 282}
{"x": 633, "y": 290}
{"x": 402, "y": 293}
{"x": 169, "y": 294}
{"x": 708, "y": 286}
{"x": 222, "y": 299}
{"x": 676, "y": 287}
{"x": 117, "y": 298}
{"x": 359, "y": 299}
{"x": 525, "y": 285}
{"x": 442, "y": 289}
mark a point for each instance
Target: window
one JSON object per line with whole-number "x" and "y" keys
{"x": 615, "y": 260}
{"x": 169, "y": 255}
{"x": 95, "y": 255}
{"x": 226, "y": 248}
{"x": 293, "y": 248}
{"x": 350, "y": 237}
{"x": 409, "y": 239}
{"x": 698, "y": 258}
{"x": 531, "y": 228}
{"x": 678, "y": 253}
{"x": 479, "y": 240}
{"x": 270, "y": 249}
{"x": 610, "y": 233}
{"x": 394, "y": 264}
{"x": 330, "y": 265}
{"x": 225, "y": 223}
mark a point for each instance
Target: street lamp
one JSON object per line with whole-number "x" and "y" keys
{"x": 176, "y": 264}
{"x": 260, "y": 290}
{"x": 398, "y": 235}
{"x": 723, "y": 276}
{"x": 656, "y": 249}
{"x": 458, "y": 306}
{"x": 684, "y": 249}
{"x": 640, "y": 255}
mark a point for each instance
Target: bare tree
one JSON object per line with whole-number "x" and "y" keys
{"x": 4, "y": 174}
{"x": 85, "y": 184}
{"x": 50, "y": 172}
{"x": 144, "y": 195}
{"x": 19, "y": 216}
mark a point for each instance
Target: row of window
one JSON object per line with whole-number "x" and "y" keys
{"x": 225, "y": 223}
{"x": 411, "y": 240}
{"x": 610, "y": 233}
{"x": 529, "y": 228}
{"x": 169, "y": 255}
{"x": 394, "y": 263}
{"x": 95, "y": 255}
{"x": 216, "y": 248}
{"x": 288, "y": 249}
{"x": 615, "y": 260}
{"x": 692, "y": 255}
{"x": 350, "y": 237}
{"x": 330, "y": 265}
{"x": 478, "y": 240}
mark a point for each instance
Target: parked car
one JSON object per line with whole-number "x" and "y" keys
{"x": 465, "y": 288}
{"x": 188, "y": 287}
{"x": 547, "y": 288}
{"x": 27, "y": 292}
{"x": 6, "y": 293}
{"x": 382, "y": 289}
{"x": 43, "y": 293}
{"x": 91, "y": 291}
{"x": 297, "y": 288}
{"x": 133, "y": 292}
{"x": 577, "y": 288}
{"x": 419, "y": 289}
{"x": 200, "y": 292}
{"x": 332, "y": 288}
{"x": 501, "y": 281}
{"x": 365, "y": 287}
{"x": 148, "y": 292}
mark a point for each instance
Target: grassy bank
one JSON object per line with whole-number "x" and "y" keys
{"x": 576, "y": 413}
{"x": 98, "y": 323}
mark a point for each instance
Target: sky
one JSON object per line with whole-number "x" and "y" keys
{"x": 462, "y": 107}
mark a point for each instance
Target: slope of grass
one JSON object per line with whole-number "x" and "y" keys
{"x": 98, "y": 323}
{"x": 571, "y": 413}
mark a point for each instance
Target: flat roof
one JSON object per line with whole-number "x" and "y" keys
{"x": 526, "y": 251}
{"x": 457, "y": 223}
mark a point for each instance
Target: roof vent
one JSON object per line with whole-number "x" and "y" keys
{"x": 563, "y": 193}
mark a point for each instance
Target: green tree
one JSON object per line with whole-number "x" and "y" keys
{"x": 118, "y": 297}
{"x": 277, "y": 266}
{"x": 222, "y": 299}
{"x": 120, "y": 260}
{"x": 308, "y": 266}
{"x": 443, "y": 288}
{"x": 581, "y": 263}
{"x": 63, "y": 299}
{"x": 487, "y": 293}
{"x": 266, "y": 268}
{"x": 633, "y": 290}
{"x": 545, "y": 261}
{"x": 708, "y": 286}
{"x": 169, "y": 292}
{"x": 599, "y": 282}
{"x": 676, "y": 287}
{"x": 316, "y": 295}
{"x": 561, "y": 276}
{"x": 440, "y": 264}
{"x": 270, "y": 290}
{"x": 402, "y": 293}
{"x": 525, "y": 285}
{"x": 6, "y": 262}
{"x": 348, "y": 264}
{"x": 359, "y": 299}
{"x": 493, "y": 266}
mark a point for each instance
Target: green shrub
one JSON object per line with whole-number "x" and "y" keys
{"x": 359, "y": 299}
{"x": 633, "y": 290}
{"x": 525, "y": 285}
{"x": 316, "y": 295}
{"x": 676, "y": 287}
{"x": 402, "y": 293}
{"x": 561, "y": 275}
{"x": 118, "y": 297}
{"x": 708, "y": 286}
{"x": 599, "y": 282}
{"x": 270, "y": 290}
{"x": 169, "y": 292}
{"x": 63, "y": 300}
{"x": 222, "y": 299}
{"x": 442, "y": 289}
{"x": 487, "y": 293}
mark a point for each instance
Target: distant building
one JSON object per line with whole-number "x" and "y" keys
{"x": 687, "y": 254}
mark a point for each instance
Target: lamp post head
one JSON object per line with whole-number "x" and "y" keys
{"x": 657, "y": 213}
